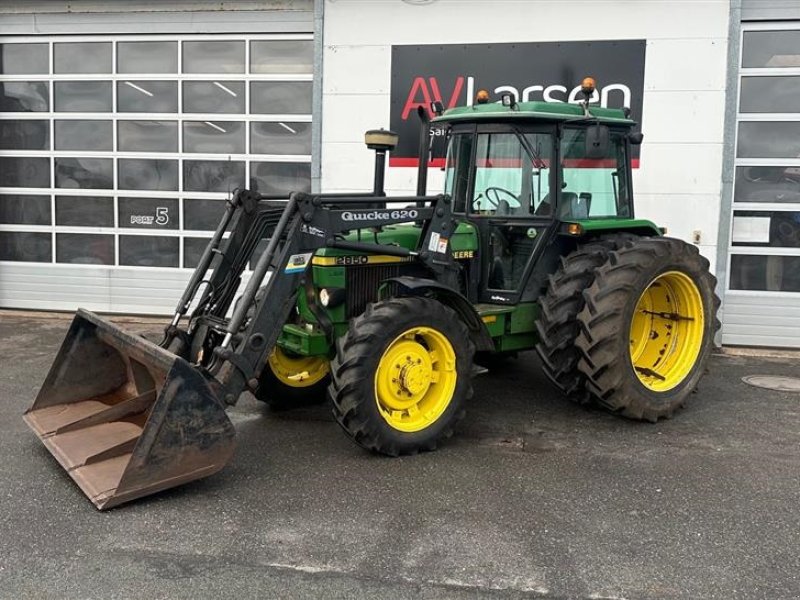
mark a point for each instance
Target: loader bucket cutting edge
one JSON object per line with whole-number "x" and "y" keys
{"x": 127, "y": 418}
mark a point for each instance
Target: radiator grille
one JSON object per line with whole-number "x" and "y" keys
{"x": 362, "y": 285}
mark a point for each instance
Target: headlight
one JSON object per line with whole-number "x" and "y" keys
{"x": 324, "y": 297}
{"x": 332, "y": 297}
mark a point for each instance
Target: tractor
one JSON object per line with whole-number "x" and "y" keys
{"x": 384, "y": 305}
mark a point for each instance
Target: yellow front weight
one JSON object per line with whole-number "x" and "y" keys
{"x": 298, "y": 371}
{"x": 415, "y": 379}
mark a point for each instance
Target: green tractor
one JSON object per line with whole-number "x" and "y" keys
{"x": 385, "y": 304}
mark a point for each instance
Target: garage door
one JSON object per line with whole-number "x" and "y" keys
{"x": 117, "y": 154}
{"x": 762, "y": 302}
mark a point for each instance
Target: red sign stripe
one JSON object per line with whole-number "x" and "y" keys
{"x": 399, "y": 161}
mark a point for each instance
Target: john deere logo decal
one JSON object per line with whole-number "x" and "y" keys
{"x": 298, "y": 263}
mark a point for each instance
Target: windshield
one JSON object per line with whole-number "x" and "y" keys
{"x": 512, "y": 174}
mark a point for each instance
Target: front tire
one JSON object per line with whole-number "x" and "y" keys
{"x": 402, "y": 375}
{"x": 647, "y": 328}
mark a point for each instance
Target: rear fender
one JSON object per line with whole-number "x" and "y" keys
{"x": 597, "y": 227}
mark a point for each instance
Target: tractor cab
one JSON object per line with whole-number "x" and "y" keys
{"x": 522, "y": 172}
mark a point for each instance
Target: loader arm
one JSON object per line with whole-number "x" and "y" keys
{"x": 295, "y": 229}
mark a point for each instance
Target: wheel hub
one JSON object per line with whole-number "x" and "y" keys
{"x": 406, "y": 373}
{"x": 415, "y": 379}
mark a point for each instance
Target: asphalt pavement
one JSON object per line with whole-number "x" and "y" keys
{"x": 533, "y": 498}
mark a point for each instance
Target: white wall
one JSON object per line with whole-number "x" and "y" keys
{"x": 679, "y": 182}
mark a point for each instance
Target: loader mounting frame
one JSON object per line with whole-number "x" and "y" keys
{"x": 306, "y": 223}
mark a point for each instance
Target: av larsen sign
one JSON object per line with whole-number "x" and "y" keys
{"x": 549, "y": 71}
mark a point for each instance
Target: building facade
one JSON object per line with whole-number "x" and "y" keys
{"x": 125, "y": 126}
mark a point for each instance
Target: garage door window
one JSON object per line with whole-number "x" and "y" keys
{"x": 765, "y": 236}
{"x": 120, "y": 150}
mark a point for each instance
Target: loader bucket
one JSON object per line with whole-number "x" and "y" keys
{"x": 127, "y": 418}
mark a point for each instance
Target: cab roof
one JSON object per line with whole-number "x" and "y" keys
{"x": 550, "y": 111}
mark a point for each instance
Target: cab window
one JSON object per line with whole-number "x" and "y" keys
{"x": 593, "y": 187}
{"x": 456, "y": 178}
{"x": 512, "y": 174}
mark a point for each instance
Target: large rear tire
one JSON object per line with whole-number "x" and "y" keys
{"x": 647, "y": 328}
{"x": 402, "y": 375}
{"x": 291, "y": 381}
{"x": 557, "y": 324}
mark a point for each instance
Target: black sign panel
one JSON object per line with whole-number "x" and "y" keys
{"x": 549, "y": 71}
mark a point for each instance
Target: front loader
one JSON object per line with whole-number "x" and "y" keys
{"x": 382, "y": 304}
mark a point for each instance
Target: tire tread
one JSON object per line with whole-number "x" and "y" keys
{"x": 557, "y": 326}
{"x": 602, "y": 356}
{"x": 349, "y": 370}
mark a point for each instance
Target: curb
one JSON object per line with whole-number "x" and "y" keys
{"x": 759, "y": 352}
{"x": 47, "y": 315}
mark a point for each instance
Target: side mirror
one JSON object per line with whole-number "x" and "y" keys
{"x": 635, "y": 138}
{"x": 597, "y": 141}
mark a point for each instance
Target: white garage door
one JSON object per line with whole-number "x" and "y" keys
{"x": 117, "y": 154}
{"x": 762, "y": 302}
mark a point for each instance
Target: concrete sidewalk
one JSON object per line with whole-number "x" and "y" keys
{"x": 534, "y": 497}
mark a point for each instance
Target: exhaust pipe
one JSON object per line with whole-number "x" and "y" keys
{"x": 381, "y": 141}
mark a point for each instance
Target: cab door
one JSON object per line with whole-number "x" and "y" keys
{"x": 509, "y": 200}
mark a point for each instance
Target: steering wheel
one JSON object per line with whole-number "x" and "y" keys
{"x": 493, "y": 193}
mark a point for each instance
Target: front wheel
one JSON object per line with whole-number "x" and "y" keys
{"x": 293, "y": 381}
{"x": 647, "y": 327}
{"x": 401, "y": 376}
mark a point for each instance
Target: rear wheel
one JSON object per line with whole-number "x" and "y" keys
{"x": 557, "y": 324}
{"x": 401, "y": 376}
{"x": 647, "y": 328}
{"x": 292, "y": 381}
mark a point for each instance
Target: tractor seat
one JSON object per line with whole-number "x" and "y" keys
{"x": 571, "y": 206}
{"x": 568, "y": 199}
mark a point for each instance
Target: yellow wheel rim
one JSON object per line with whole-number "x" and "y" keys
{"x": 415, "y": 379}
{"x": 666, "y": 332}
{"x": 298, "y": 371}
